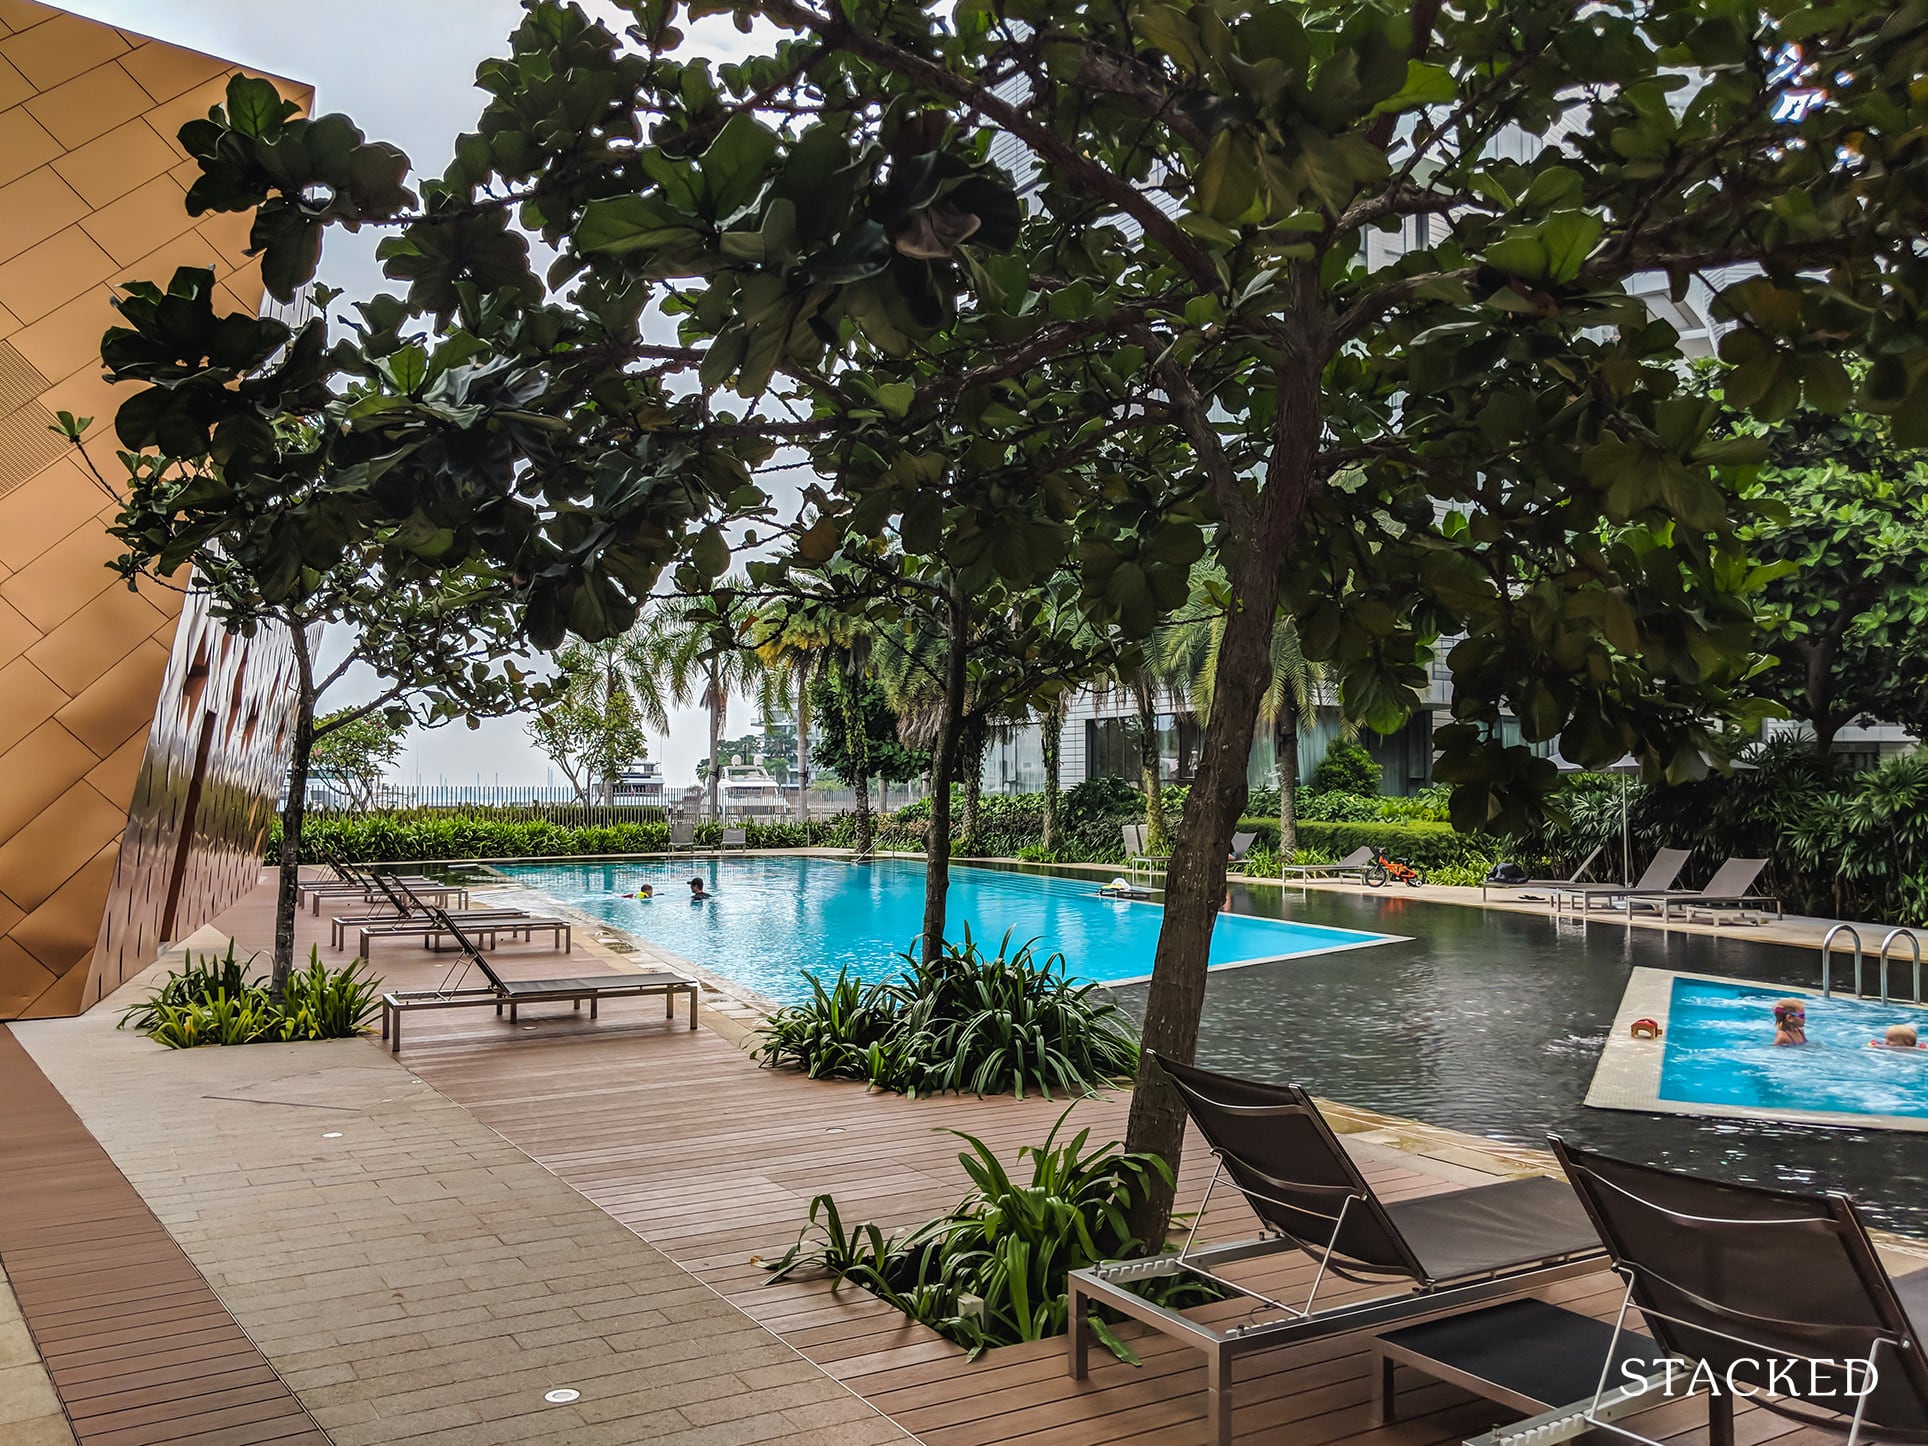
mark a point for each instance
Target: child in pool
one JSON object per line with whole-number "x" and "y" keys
{"x": 1897, "y": 1036}
{"x": 1790, "y": 1022}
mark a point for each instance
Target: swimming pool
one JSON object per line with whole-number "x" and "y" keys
{"x": 1720, "y": 1052}
{"x": 1491, "y": 1021}
{"x": 773, "y": 918}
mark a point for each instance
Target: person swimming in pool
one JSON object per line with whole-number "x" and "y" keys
{"x": 1897, "y": 1036}
{"x": 1790, "y": 1022}
{"x": 697, "y": 895}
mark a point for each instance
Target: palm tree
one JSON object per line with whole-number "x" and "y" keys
{"x": 1186, "y": 653}
{"x": 699, "y": 650}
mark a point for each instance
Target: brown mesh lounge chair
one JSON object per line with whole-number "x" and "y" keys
{"x": 1446, "y": 1252}
{"x": 516, "y": 992}
{"x": 1658, "y": 879}
{"x": 1353, "y": 865}
{"x": 1730, "y": 890}
{"x": 1737, "y": 1276}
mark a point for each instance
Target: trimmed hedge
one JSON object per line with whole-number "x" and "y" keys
{"x": 1429, "y": 845}
{"x": 1009, "y": 827}
{"x": 392, "y": 838}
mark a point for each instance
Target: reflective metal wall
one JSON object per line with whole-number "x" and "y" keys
{"x": 94, "y": 804}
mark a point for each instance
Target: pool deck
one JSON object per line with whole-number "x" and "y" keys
{"x": 1628, "y": 1075}
{"x": 419, "y": 1246}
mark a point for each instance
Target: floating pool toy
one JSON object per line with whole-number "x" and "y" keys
{"x": 1644, "y": 1029}
{"x": 1122, "y": 889}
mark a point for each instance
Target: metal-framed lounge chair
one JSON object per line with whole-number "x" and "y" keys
{"x": 1572, "y": 878}
{"x": 1353, "y": 865}
{"x": 516, "y": 992}
{"x": 1731, "y": 889}
{"x": 734, "y": 838}
{"x": 1659, "y": 878}
{"x": 682, "y": 833}
{"x": 406, "y": 905}
{"x": 351, "y": 882}
{"x": 1137, "y": 859}
{"x": 1452, "y": 1251}
{"x": 1779, "y": 1293}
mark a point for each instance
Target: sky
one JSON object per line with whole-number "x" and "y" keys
{"x": 404, "y": 71}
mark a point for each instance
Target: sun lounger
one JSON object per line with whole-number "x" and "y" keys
{"x": 682, "y": 834}
{"x": 1659, "y": 877}
{"x": 350, "y": 882}
{"x": 1353, "y": 865}
{"x": 1731, "y": 889}
{"x": 405, "y": 905}
{"x": 1745, "y": 1280}
{"x": 734, "y": 838}
{"x": 1450, "y": 1252}
{"x": 513, "y": 993}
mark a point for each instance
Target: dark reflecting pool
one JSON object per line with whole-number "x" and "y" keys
{"x": 1491, "y": 1022}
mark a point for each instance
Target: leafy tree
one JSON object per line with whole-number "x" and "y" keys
{"x": 353, "y": 751}
{"x": 857, "y": 738}
{"x": 593, "y": 725}
{"x": 1846, "y": 513}
{"x": 1193, "y": 336}
{"x": 1348, "y": 768}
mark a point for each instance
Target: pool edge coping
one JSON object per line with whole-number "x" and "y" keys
{"x": 1627, "y": 1076}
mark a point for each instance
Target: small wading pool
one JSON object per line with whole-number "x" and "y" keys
{"x": 1720, "y": 1051}
{"x": 771, "y": 919}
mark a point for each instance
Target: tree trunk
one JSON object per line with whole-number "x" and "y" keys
{"x": 1051, "y": 743}
{"x": 803, "y": 747}
{"x": 1148, "y": 770}
{"x": 937, "y": 849}
{"x": 715, "y": 702}
{"x": 1195, "y": 876}
{"x": 1288, "y": 778}
{"x": 293, "y": 811}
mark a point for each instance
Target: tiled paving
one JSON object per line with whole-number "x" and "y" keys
{"x": 412, "y": 1275}
{"x": 137, "y": 1347}
{"x": 30, "y": 1413}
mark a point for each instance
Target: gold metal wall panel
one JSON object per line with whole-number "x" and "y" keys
{"x": 96, "y": 770}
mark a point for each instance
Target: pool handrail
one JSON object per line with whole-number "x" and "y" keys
{"x": 1914, "y": 946}
{"x": 1827, "y": 958}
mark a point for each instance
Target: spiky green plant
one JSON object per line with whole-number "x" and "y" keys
{"x": 964, "y": 1021}
{"x": 993, "y": 1270}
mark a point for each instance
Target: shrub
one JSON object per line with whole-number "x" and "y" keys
{"x": 963, "y": 1021}
{"x": 1009, "y": 1244}
{"x": 1347, "y": 768}
{"x": 213, "y": 1001}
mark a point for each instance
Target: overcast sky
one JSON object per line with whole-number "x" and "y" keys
{"x": 404, "y": 70}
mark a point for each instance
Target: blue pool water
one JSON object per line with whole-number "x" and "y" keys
{"x": 773, "y": 918}
{"x": 1720, "y": 1051}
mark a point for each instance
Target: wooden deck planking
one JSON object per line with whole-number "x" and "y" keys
{"x": 137, "y": 1346}
{"x": 681, "y": 1138}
